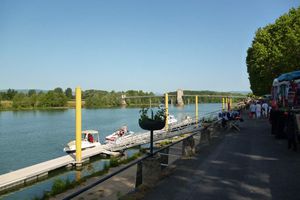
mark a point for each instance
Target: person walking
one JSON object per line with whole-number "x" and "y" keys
{"x": 265, "y": 110}
{"x": 252, "y": 110}
{"x": 258, "y": 110}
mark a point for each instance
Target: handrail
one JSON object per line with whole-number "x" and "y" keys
{"x": 194, "y": 132}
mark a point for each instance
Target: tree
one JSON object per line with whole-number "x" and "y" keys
{"x": 31, "y": 92}
{"x": 33, "y": 100}
{"x": 58, "y": 90}
{"x": 68, "y": 93}
{"x": 274, "y": 50}
{"x": 20, "y": 100}
{"x": 10, "y": 93}
{"x": 52, "y": 99}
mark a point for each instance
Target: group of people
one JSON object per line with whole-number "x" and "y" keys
{"x": 259, "y": 109}
{"x": 234, "y": 115}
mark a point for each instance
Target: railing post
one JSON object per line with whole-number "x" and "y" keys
{"x": 164, "y": 158}
{"x": 78, "y": 126}
{"x": 167, "y": 110}
{"x": 196, "y": 108}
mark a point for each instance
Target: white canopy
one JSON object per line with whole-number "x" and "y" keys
{"x": 90, "y": 131}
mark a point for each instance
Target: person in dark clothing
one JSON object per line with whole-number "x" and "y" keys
{"x": 274, "y": 120}
{"x": 281, "y": 121}
{"x": 291, "y": 131}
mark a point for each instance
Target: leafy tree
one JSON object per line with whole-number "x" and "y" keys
{"x": 58, "y": 90}
{"x": 10, "y": 93}
{"x": 275, "y": 50}
{"x": 52, "y": 99}
{"x": 33, "y": 100}
{"x": 68, "y": 93}
{"x": 31, "y": 92}
{"x": 20, "y": 100}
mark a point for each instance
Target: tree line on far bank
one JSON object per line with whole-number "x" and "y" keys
{"x": 34, "y": 99}
{"x": 58, "y": 98}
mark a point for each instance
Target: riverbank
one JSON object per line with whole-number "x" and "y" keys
{"x": 8, "y": 106}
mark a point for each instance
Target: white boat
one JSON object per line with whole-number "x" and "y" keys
{"x": 123, "y": 132}
{"x": 172, "y": 119}
{"x": 89, "y": 139}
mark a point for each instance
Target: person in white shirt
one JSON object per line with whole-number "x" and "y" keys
{"x": 265, "y": 109}
{"x": 258, "y": 110}
{"x": 252, "y": 110}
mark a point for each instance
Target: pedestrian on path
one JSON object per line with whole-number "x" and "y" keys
{"x": 252, "y": 110}
{"x": 265, "y": 108}
{"x": 258, "y": 110}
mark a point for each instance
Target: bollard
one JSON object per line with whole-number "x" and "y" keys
{"x": 151, "y": 170}
{"x": 188, "y": 147}
{"x": 139, "y": 175}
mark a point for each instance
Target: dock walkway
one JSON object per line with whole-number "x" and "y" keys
{"x": 41, "y": 170}
{"x": 250, "y": 164}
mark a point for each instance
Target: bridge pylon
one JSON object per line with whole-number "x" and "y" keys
{"x": 123, "y": 100}
{"x": 179, "y": 97}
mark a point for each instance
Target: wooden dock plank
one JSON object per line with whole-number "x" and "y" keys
{"x": 34, "y": 170}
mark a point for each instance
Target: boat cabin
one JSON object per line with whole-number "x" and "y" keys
{"x": 91, "y": 136}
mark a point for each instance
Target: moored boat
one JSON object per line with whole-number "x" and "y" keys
{"x": 123, "y": 132}
{"x": 172, "y": 119}
{"x": 89, "y": 139}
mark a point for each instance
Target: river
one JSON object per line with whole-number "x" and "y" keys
{"x": 30, "y": 137}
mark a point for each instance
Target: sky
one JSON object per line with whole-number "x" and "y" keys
{"x": 157, "y": 45}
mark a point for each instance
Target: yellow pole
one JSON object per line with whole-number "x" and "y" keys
{"x": 196, "y": 108}
{"x": 78, "y": 175}
{"x": 167, "y": 110}
{"x": 230, "y": 103}
{"x": 78, "y": 125}
{"x": 223, "y": 103}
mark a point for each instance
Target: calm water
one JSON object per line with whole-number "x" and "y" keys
{"x": 30, "y": 137}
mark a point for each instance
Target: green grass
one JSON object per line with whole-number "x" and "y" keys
{"x": 59, "y": 186}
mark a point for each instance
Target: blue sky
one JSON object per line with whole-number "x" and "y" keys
{"x": 157, "y": 45}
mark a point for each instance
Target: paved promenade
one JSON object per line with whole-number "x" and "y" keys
{"x": 251, "y": 164}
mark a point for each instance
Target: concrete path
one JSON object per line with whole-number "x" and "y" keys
{"x": 246, "y": 165}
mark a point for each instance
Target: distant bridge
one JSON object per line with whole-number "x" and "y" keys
{"x": 179, "y": 97}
